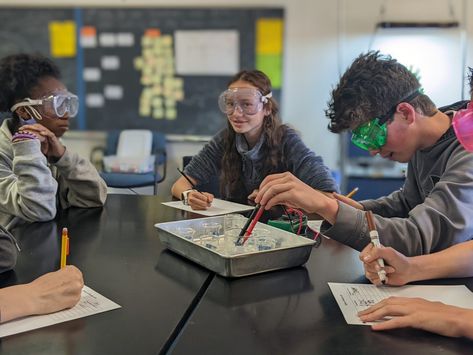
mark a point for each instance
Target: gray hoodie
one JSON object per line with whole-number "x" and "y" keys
{"x": 297, "y": 159}
{"x": 432, "y": 211}
{"x": 31, "y": 188}
{"x": 8, "y": 250}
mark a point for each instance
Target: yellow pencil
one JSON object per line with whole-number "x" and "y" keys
{"x": 64, "y": 247}
{"x": 352, "y": 192}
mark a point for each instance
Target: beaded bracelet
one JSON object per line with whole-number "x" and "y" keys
{"x": 23, "y": 136}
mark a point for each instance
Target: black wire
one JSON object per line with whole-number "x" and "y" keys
{"x": 289, "y": 217}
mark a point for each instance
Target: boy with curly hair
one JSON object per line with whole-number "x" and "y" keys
{"x": 382, "y": 103}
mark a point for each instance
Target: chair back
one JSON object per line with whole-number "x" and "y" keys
{"x": 135, "y": 143}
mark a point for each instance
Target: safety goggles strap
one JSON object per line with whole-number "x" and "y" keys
{"x": 264, "y": 98}
{"x": 409, "y": 97}
{"x": 27, "y": 102}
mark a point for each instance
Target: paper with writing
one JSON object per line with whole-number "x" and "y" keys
{"x": 90, "y": 303}
{"x": 352, "y": 298}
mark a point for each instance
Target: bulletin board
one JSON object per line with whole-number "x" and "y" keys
{"x": 152, "y": 68}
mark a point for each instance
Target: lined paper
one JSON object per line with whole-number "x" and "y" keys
{"x": 90, "y": 303}
{"x": 352, "y": 298}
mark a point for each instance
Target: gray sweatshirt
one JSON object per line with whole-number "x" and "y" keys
{"x": 31, "y": 188}
{"x": 8, "y": 250}
{"x": 432, "y": 211}
{"x": 299, "y": 160}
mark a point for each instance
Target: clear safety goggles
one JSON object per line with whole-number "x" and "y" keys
{"x": 57, "y": 105}
{"x": 248, "y": 100}
{"x": 373, "y": 134}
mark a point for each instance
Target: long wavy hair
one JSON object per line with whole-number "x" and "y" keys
{"x": 273, "y": 132}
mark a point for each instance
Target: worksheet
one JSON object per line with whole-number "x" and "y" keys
{"x": 218, "y": 207}
{"x": 90, "y": 303}
{"x": 352, "y": 298}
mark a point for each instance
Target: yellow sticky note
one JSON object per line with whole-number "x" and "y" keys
{"x": 171, "y": 113}
{"x": 157, "y": 102}
{"x": 179, "y": 95}
{"x": 146, "y": 80}
{"x": 138, "y": 63}
{"x": 169, "y": 101}
{"x": 167, "y": 40}
{"x": 269, "y": 33}
{"x": 145, "y": 110}
{"x": 158, "y": 113}
{"x": 62, "y": 38}
{"x": 157, "y": 90}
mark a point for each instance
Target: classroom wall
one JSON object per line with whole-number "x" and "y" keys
{"x": 321, "y": 39}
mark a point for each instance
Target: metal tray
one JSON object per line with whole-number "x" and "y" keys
{"x": 268, "y": 249}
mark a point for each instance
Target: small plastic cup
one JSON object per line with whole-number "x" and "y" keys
{"x": 211, "y": 243}
{"x": 232, "y": 247}
{"x": 268, "y": 241}
{"x": 234, "y": 220}
{"x": 212, "y": 229}
{"x": 186, "y": 232}
{"x": 265, "y": 243}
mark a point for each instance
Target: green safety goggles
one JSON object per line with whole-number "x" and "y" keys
{"x": 373, "y": 134}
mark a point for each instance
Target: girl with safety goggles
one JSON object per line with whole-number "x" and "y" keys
{"x": 37, "y": 171}
{"x": 249, "y": 101}
{"x": 254, "y": 144}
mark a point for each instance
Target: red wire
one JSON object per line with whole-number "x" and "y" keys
{"x": 300, "y": 214}
{"x": 253, "y": 224}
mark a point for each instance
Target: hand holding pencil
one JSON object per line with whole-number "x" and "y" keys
{"x": 399, "y": 268}
{"x": 196, "y": 199}
{"x": 374, "y": 236}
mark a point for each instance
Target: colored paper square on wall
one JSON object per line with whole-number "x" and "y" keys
{"x": 62, "y": 37}
{"x": 271, "y": 65}
{"x": 269, "y": 36}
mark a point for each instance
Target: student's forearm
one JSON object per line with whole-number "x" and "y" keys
{"x": 329, "y": 211}
{"x": 179, "y": 187}
{"x": 15, "y": 302}
{"x": 456, "y": 261}
{"x": 466, "y": 324}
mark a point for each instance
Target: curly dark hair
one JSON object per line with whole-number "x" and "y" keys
{"x": 273, "y": 130}
{"x": 470, "y": 79}
{"x": 371, "y": 86}
{"x": 20, "y": 73}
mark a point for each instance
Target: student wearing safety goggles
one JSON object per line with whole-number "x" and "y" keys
{"x": 456, "y": 261}
{"x": 380, "y": 101}
{"x": 254, "y": 144}
{"x": 36, "y": 167}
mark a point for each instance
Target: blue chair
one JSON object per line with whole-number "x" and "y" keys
{"x": 134, "y": 176}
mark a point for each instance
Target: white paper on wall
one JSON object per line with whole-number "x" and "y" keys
{"x": 207, "y": 52}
